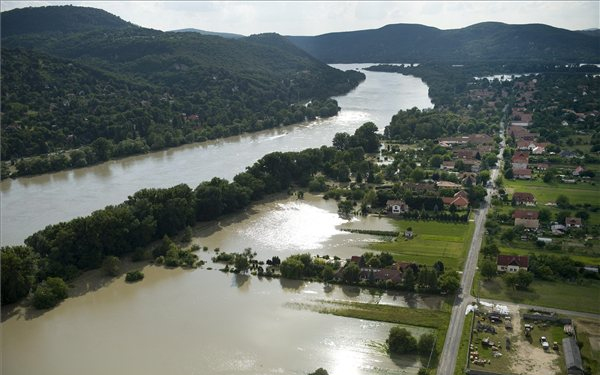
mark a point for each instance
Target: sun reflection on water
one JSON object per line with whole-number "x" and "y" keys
{"x": 295, "y": 226}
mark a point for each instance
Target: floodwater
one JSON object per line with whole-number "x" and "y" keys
{"x": 204, "y": 321}
{"x": 31, "y": 203}
{"x": 207, "y": 322}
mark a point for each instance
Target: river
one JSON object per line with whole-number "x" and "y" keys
{"x": 204, "y": 321}
{"x": 31, "y": 203}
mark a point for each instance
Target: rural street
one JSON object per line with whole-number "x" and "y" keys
{"x": 457, "y": 320}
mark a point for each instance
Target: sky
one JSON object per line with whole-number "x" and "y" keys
{"x": 320, "y": 17}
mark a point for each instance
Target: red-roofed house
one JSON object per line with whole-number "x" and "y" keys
{"x": 573, "y": 222}
{"x": 526, "y": 199}
{"x": 512, "y": 263}
{"x": 458, "y": 202}
{"x": 522, "y": 174}
{"x": 520, "y": 160}
{"x": 528, "y": 219}
{"x": 578, "y": 170}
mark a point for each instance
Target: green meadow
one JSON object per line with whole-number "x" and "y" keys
{"x": 433, "y": 241}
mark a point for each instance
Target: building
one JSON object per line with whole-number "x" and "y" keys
{"x": 527, "y": 218}
{"x": 520, "y": 160}
{"x": 573, "y": 222}
{"x": 448, "y": 185}
{"x": 396, "y": 206}
{"x": 523, "y": 199}
{"x": 573, "y": 360}
{"x": 578, "y": 170}
{"x": 522, "y": 174}
{"x": 447, "y": 166}
{"x": 458, "y": 202}
{"x": 512, "y": 263}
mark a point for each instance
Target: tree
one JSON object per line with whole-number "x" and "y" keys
{"x": 426, "y": 344}
{"x": 49, "y": 293}
{"x": 345, "y": 208}
{"x": 510, "y": 279}
{"x": 241, "y": 263}
{"x": 524, "y": 279}
{"x": 319, "y": 371}
{"x": 133, "y": 276}
{"x": 111, "y": 265}
{"x": 292, "y": 268}
{"x": 401, "y": 341}
{"x": 341, "y": 141}
{"x": 351, "y": 272}
{"x": 562, "y": 201}
{"x": 366, "y": 137}
{"x": 417, "y": 174}
{"x": 409, "y": 280}
{"x": 19, "y": 266}
{"x": 488, "y": 269}
{"x": 327, "y": 273}
{"x": 435, "y": 161}
{"x": 508, "y": 174}
{"x": 187, "y": 234}
{"x": 102, "y": 148}
{"x": 449, "y": 282}
{"x": 490, "y": 250}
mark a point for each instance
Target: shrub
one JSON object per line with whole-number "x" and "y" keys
{"x": 134, "y": 276}
{"x": 49, "y": 293}
{"x": 401, "y": 341}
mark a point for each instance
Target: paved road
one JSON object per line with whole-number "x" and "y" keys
{"x": 457, "y": 320}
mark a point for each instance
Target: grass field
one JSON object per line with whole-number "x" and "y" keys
{"x": 559, "y": 294}
{"x": 433, "y": 241}
{"x": 577, "y": 193}
{"x": 591, "y": 260}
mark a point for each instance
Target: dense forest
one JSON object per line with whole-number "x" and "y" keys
{"x": 64, "y": 250}
{"x": 65, "y": 86}
{"x": 482, "y": 42}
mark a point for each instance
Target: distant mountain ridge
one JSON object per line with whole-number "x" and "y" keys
{"x": 204, "y": 32}
{"x": 488, "y": 41}
{"x": 66, "y": 18}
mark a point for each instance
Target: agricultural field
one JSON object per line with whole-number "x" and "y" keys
{"x": 580, "y": 193}
{"x": 432, "y": 241}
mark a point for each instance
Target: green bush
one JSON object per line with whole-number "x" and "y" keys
{"x": 49, "y": 293}
{"x": 134, "y": 276}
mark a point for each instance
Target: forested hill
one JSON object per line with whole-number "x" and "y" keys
{"x": 489, "y": 41}
{"x": 58, "y": 19}
{"x": 139, "y": 88}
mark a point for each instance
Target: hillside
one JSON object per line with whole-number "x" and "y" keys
{"x": 489, "y": 41}
{"x": 65, "y": 90}
{"x": 204, "y": 32}
{"x": 58, "y": 19}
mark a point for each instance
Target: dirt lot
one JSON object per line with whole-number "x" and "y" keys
{"x": 524, "y": 357}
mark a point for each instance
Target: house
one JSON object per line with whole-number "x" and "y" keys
{"x": 466, "y": 154}
{"x": 567, "y": 154}
{"x": 573, "y": 222}
{"x": 525, "y": 145}
{"x": 468, "y": 176}
{"x": 527, "y": 218}
{"x": 573, "y": 361}
{"x": 458, "y": 202}
{"x": 447, "y": 166}
{"x": 539, "y": 148}
{"x": 525, "y": 199}
{"x": 520, "y": 160}
{"x": 512, "y": 263}
{"x": 578, "y": 170}
{"x": 448, "y": 185}
{"x": 522, "y": 174}
{"x": 396, "y": 206}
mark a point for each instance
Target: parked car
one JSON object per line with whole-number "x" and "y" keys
{"x": 544, "y": 342}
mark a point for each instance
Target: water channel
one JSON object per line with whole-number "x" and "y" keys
{"x": 204, "y": 321}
